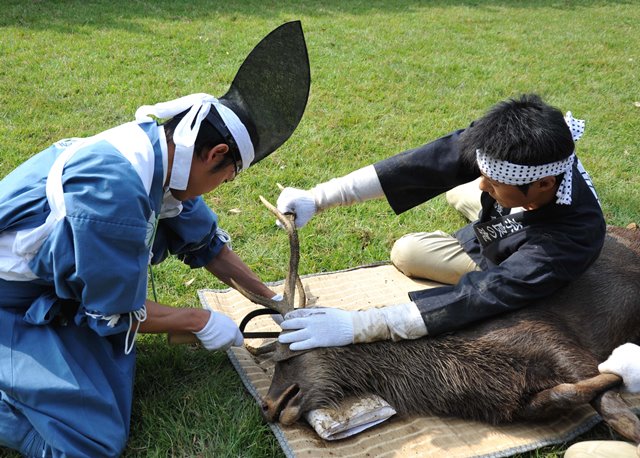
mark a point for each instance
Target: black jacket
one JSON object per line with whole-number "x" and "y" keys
{"x": 523, "y": 257}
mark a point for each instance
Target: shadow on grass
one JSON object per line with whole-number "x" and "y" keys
{"x": 68, "y": 16}
{"x": 189, "y": 401}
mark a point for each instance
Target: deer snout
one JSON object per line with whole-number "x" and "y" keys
{"x": 283, "y": 407}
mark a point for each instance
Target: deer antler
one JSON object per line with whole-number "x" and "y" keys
{"x": 292, "y": 281}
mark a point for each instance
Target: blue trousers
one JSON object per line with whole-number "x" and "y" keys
{"x": 16, "y": 432}
{"x": 66, "y": 391}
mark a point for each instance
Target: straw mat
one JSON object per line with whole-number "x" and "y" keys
{"x": 430, "y": 436}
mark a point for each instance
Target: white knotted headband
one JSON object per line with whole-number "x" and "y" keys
{"x": 186, "y": 132}
{"x": 518, "y": 174}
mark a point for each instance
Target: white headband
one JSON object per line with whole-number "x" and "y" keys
{"x": 517, "y": 174}
{"x": 185, "y": 133}
{"x": 239, "y": 133}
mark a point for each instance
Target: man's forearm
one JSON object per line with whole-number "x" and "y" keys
{"x": 358, "y": 186}
{"x": 228, "y": 265}
{"x": 164, "y": 319}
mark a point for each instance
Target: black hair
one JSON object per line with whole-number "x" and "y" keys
{"x": 524, "y": 131}
{"x": 208, "y": 137}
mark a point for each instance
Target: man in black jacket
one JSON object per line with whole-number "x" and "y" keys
{"x": 540, "y": 227}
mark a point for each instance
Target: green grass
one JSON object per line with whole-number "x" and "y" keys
{"x": 386, "y": 76}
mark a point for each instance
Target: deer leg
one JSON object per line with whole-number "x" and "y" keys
{"x": 566, "y": 395}
{"x": 617, "y": 414}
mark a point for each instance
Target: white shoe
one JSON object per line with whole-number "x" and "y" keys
{"x": 603, "y": 449}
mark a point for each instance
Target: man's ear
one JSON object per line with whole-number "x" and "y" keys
{"x": 547, "y": 183}
{"x": 215, "y": 154}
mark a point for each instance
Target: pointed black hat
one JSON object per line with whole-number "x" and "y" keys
{"x": 270, "y": 91}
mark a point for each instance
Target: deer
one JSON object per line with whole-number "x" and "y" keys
{"x": 530, "y": 364}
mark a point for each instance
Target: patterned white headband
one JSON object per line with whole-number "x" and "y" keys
{"x": 517, "y": 174}
{"x": 185, "y": 133}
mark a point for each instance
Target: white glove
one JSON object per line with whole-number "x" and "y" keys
{"x": 625, "y": 362}
{"x": 358, "y": 186}
{"x": 299, "y": 202}
{"x": 220, "y": 333}
{"x": 317, "y": 327}
{"x": 395, "y": 322}
{"x": 328, "y": 327}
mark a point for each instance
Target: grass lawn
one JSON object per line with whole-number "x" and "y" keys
{"x": 386, "y": 76}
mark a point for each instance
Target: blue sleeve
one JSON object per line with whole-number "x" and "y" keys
{"x": 191, "y": 235}
{"x": 98, "y": 254}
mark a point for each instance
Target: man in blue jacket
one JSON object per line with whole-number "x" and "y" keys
{"x": 81, "y": 221}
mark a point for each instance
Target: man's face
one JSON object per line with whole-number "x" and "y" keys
{"x": 509, "y": 196}
{"x": 539, "y": 193}
{"x": 201, "y": 179}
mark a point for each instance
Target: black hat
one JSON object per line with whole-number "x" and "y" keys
{"x": 269, "y": 93}
{"x": 258, "y": 113}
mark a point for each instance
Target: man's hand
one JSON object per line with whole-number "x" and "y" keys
{"x": 220, "y": 333}
{"x": 358, "y": 186}
{"x": 317, "y": 327}
{"x": 625, "y": 362}
{"x": 329, "y": 327}
{"x": 299, "y": 202}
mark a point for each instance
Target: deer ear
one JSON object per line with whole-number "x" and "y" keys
{"x": 283, "y": 352}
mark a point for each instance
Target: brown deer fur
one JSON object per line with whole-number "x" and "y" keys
{"x": 527, "y": 364}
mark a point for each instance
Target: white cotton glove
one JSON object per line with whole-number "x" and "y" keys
{"x": 395, "y": 322}
{"x": 220, "y": 333}
{"x": 625, "y": 362}
{"x": 358, "y": 186}
{"x": 328, "y": 327}
{"x": 317, "y": 327}
{"x": 299, "y": 202}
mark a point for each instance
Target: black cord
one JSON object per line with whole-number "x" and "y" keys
{"x": 153, "y": 284}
